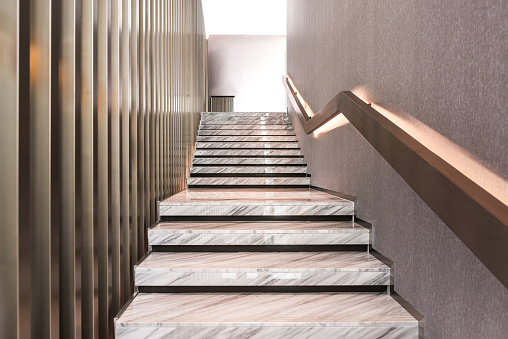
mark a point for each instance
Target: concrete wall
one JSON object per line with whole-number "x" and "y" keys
{"x": 250, "y": 67}
{"x": 443, "y": 63}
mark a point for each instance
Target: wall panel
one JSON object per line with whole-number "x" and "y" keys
{"x": 102, "y": 148}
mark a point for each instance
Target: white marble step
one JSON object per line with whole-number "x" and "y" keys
{"x": 247, "y": 153}
{"x": 244, "y": 121}
{"x": 246, "y": 127}
{"x": 248, "y": 170}
{"x": 248, "y": 138}
{"x": 247, "y": 161}
{"x": 258, "y": 233}
{"x": 255, "y": 202}
{"x": 261, "y": 269}
{"x": 259, "y": 145}
{"x": 261, "y": 316}
{"x": 248, "y": 181}
{"x": 242, "y": 114}
{"x": 246, "y": 132}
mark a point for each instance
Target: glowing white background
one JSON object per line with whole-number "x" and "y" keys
{"x": 245, "y": 17}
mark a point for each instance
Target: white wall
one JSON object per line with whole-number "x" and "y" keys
{"x": 250, "y": 67}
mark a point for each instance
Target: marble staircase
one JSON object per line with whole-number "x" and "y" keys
{"x": 249, "y": 250}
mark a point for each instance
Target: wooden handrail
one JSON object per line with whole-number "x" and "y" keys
{"x": 478, "y": 218}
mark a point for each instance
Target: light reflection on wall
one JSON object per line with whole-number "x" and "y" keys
{"x": 336, "y": 122}
{"x": 452, "y": 153}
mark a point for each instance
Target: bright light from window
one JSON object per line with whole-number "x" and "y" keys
{"x": 245, "y": 17}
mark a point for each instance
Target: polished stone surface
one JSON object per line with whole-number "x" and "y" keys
{"x": 247, "y": 169}
{"x": 277, "y": 138}
{"x": 247, "y": 132}
{"x": 247, "y": 161}
{"x": 317, "y": 315}
{"x": 261, "y": 269}
{"x": 248, "y": 181}
{"x": 259, "y": 233}
{"x": 254, "y": 202}
{"x": 242, "y": 114}
{"x": 246, "y": 152}
{"x": 247, "y": 127}
{"x": 240, "y": 197}
{"x": 266, "y": 144}
{"x": 243, "y": 121}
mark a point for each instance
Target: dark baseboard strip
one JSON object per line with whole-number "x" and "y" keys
{"x": 337, "y": 194}
{"x": 259, "y": 248}
{"x": 262, "y": 289}
{"x": 363, "y": 223}
{"x": 122, "y": 310}
{"x": 258, "y": 218}
{"x": 411, "y": 310}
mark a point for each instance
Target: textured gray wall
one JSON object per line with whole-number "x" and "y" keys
{"x": 250, "y": 67}
{"x": 444, "y": 63}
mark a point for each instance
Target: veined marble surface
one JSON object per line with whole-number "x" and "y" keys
{"x": 247, "y": 169}
{"x": 247, "y": 127}
{"x": 247, "y": 152}
{"x": 261, "y": 269}
{"x": 246, "y": 132}
{"x": 247, "y": 161}
{"x": 259, "y": 233}
{"x": 317, "y": 315}
{"x": 291, "y": 196}
{"x": 261, "y": 145}
{"x": 208, "y": 115}
{"x": 254, "y": 202}
{"x": 245, "y": 181}
{"x": 242, "y": 121}
{"x": 278, "y": 138}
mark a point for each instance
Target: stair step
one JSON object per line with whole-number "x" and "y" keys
{"x": 248, "y": 170}
{"x": 270, "y": 315}
{"x": 246, "y": 132}
{"x": 244, "y": 121}
{"x": 247, "y": 127}
{"x": 261, "y": 269}
{"x": 258, "y": 233}
{"x": 205, "y": 115}
{"x": 247, "y": 153}
{"x": 247, "y": 161}
{"x": 248, "y": 181}
{"x": 259, "y": 145}
{"x": 276, "y": 138}
{"x": 255, "y": 202}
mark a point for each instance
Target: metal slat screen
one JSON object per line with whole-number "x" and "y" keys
{"x": 100, "y": 106}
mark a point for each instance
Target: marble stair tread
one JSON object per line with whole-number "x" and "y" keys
{"x": 267, "y": 315}
{"x": 261, "y": 269}
{"x": 248, "y": 170}
{"x": 244, "y": 120}
{"x": 275, "y": 138}
{"x": 241, "y": 144}
{"x": 206, "y": 115}
{"x": 247, "y": 181}
{"x": 247, "y": 161}
{"x": 246, "y": 132}
{"x": 247, "y": 153}
{"x": 255, "y": 202}
{"x": 276, "y": 122}
{"x": 259, "y": 233}
{"x": 229, "y": 114}
{"x": 246, "y": 127}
